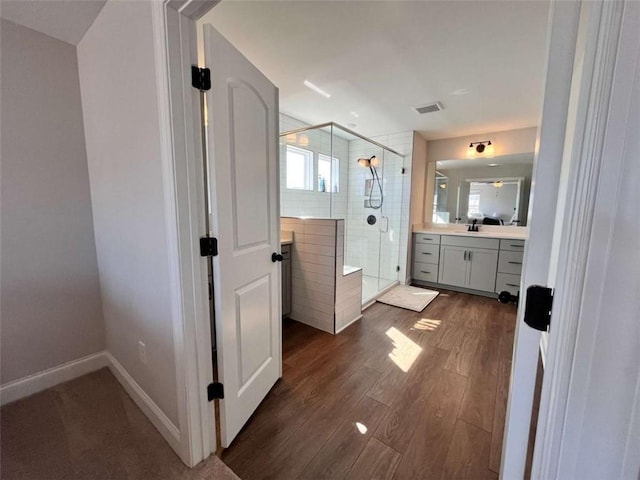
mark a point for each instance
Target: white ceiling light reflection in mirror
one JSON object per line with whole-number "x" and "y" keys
{"x": 483, "y": 60}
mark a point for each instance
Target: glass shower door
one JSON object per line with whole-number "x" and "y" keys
{"x": 366, "y": 213}
{"x": 390, "y": 219}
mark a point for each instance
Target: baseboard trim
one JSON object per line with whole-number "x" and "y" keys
{"x": 350, "y": 323}
{"x": 151, "y": 410}
{"x": 51, "y": 377}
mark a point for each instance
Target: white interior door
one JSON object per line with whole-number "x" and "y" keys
{"x": 242, "y": 137}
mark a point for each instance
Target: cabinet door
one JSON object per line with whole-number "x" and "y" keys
{"x": 453, "y": 266}
{"x": 483, "y": 265}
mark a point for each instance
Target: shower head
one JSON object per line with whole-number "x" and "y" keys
{"x": 368, "y": 162}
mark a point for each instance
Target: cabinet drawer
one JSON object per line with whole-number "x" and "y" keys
{"x": 426, "y": 253}
{"x": 513, "y": 245}
{"x": 426, "y": 272}
{"x": 508, "y": 282}
{"x": 427, "y": 238}
{"x": 470, "y": 242}
{"x": 510, "y": 262}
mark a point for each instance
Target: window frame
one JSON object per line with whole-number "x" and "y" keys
{"x": 309, "y": 168}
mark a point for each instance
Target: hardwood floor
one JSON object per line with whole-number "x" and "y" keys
{"x": 399, "y": 394}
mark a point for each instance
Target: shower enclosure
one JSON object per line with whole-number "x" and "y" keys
{"x": 329, "y": 171}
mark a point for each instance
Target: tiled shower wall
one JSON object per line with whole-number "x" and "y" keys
{"x": 403, "y": 143}
{"x": 301, "y": 203}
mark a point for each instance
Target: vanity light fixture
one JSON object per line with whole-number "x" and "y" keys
{"x": 498, "y": 184}
{"x": 493, "y": 165}
{"x": 480, "y": 146}
{"x": 480, "y": 149}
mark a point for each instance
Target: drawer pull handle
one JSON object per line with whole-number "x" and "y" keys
{"x": 427, "y": 238}
{"x": 517, "y": 246}
{"x": 427, "y": 253}
{"x": 422, "y": 271}
{"x": 516, "y": 263}
{"x": 511, "y": 285}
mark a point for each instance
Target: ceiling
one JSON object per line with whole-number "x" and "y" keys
{"x": 378, "y": 59}
{"x": 66, "y": 20}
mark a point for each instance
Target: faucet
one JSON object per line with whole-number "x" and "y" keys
{"x": 473, "y": 227}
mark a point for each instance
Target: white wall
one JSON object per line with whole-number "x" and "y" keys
{"x": 119, "y": 98}
{"x": 508, "y": 142}
{"x": 419, "y": 189}
{"x": 50, "y": 294}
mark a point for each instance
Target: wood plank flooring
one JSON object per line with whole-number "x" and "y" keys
{"x": 398, "y": 395}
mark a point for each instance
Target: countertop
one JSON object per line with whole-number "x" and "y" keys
{"x": 286, "y": 237}
{"x": 487, "y": 231}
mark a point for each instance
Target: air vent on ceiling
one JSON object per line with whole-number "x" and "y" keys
{"x": 431, "y": 107}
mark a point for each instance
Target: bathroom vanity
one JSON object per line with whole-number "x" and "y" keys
{"x": 484, "y": 263}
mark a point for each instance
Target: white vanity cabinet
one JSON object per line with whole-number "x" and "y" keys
{"x": 474, "y": 264}
{"x": 509, "y": 266}
{"x": 426, "y": 256}
{"x": 468, "y": 262}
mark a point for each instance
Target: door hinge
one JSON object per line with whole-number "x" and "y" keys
{"x": 397, "y": 268}
{"x": 200, "y": 78}
{"x": 403, "y": 171}
{"x": 537, "y": 311}
{"x": 208, "y": 246}
{"x": 215, "y": 391}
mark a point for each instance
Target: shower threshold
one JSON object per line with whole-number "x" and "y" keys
{"x": 374, "y": 287}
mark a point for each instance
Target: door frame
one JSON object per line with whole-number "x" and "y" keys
{"x": 175, "y": 49}
{"x": 174, "y": 24}
{"x": 561, "y": 43}
{"x": 578, "y": 109}
{"x": 585, "y": 167}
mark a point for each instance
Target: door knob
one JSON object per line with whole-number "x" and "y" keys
{"x": 276, "y": 257}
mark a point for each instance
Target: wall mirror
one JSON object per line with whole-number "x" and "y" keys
{"x": 492, "y": 191}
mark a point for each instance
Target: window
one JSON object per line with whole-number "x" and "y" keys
{"x": 474, "y": 203}
{"x": 328, "y": 174}
{"x": 299, "y": 168}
